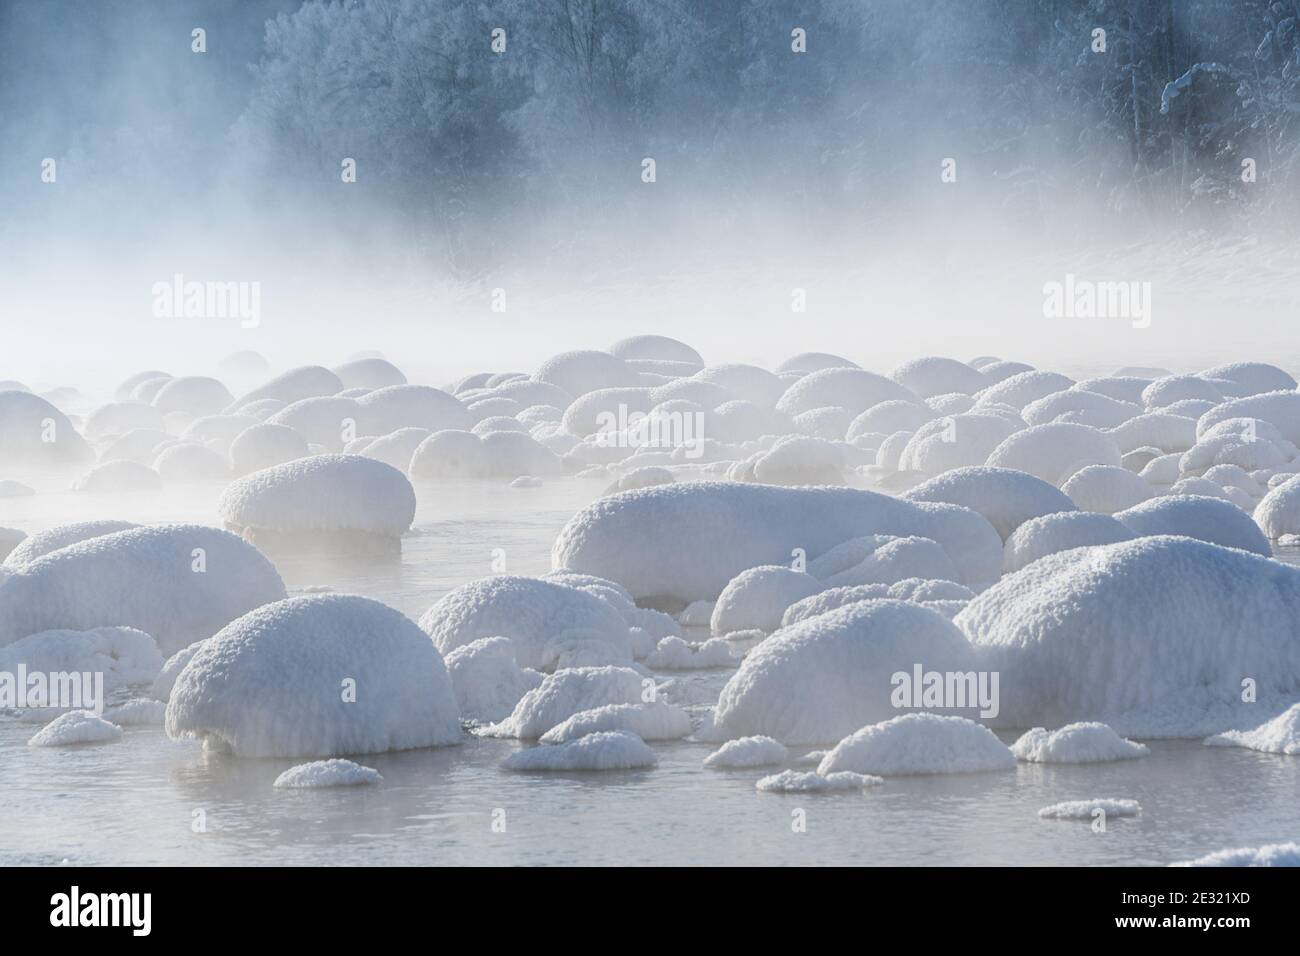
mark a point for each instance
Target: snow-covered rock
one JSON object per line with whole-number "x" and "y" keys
{"x": 798, "y": 781}
{"x": 123, "y": 655}
{"x": 673, "y": 653}
{"x": 321, "y": 495}
{"x": 653, "y": 721}
{"x": 328, "y": 773}
{"x": 178, "y": 583}
{"x": 756, "y": 598}
{"x": 1089, "y": 742}
{"x": 1281, "y": 735}
{"x": 684, "y": 542}
{"x": 1210, "y": 519}
{"x": 1273, "y": 854}
{"x": 120, "y": 476}
{"x": 824, "y": 677}
{"x": 1055, "y": 452}
{"x": 43, "y": 542}
{"x": 487, "y": 681}
{"x": 1106, "y": 489}
{"x": 919, "y": 743}
{"x": 1007, "y": 498}
{"x": 1152, "y": 636}
{"x": 531, "y": 612}
{"x": 1062, "y": 531}
{"x": 316, "y": 676}
{"x": 748, "y": 752}
{"x": 1088, "y": 809}
{"x": 76, "y": 727}
{"x": 265, "y": 445}
{"x": 567, "y": 692}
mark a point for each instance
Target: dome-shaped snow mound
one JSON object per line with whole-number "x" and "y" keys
{"x": 1253, "y": 377}
{"x": 193, "y": 394}
{"x": 305, "y": 381}
{"x": 1076, "y": 743}
{"x": 369, "y": 373}
{"x": 823, "y": 678}
{"x": 933, "y": 375}
{"x": 1279, "y": 512}
{"x": 748, "y": 752}
{"x": 1274, "y": 854}
{"x": 956, "y": 441}
{"x": 33, "y": 433}
{"x": 580, "y": 372}
{"x": 487, "y": 681}
{"x": 178, "y": 583}
{"x": 322, "y": 494}
{"x": 264, "y": 446}
{"x": 919, "y": 744}
{"x": 1021, "y": 389}
{"x": 850, "y": 388}
{"x": 605, "y": 750}
{"x": 1049, "y": 534}
{"x": 1055, "y": 452}
{"x": 123, "y": 655}
{"x": 881, "y": 559}
{"x": 1106, "y": 489}
{"x": 327, "y": 773}
{"x": 755, "y": 599}
{"x": 1278, "y": 408}
{"x": 685, "y": 542}
{"x": 1209, "y": 519}
{"x": 60, "y": 536}
{"x": 1007, "y": 498}
{"x": 1152, "y": 636}
{"x": 190, "y": 461}
{"x": 1281, "y": 735}
{"x": 531, "y": 612}
{"x": 76, "y": 727}
{"x": 120, "y": 476}
{"x": 316, "y": 676}
{"x": 568, "y": 692}
{"x": 652, "y": 721}
{"x": 659, "y": 347}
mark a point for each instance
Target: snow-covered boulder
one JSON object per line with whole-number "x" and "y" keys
{"x": 1153, "y": 636}
{"x": 583, "y": 371}
{"x": 1106, "y": 489}
{"x": 1006, "y": 497}
{"x": 189, "y": 461}
{"x": 316, "y": 676}
{"x": 1273, "y": 854}
{"x": 324, "y": 497}
{"x": 178, "y": 583}
{"x": 684, "y": 542}
{"x": 934, "y": 375}
{"x": 120, "y": 476}
{"x": 566, "y": 693}
{"x": 957, "y": 441}
{"x": 880, "y": 559}
{"x": 1055, "y": 452}
{"x": 1281, "y": 409}
{"x": 1281, "y": 735}
{"x": 823, "y": 678}
{"x": 659, "y": 347}
{"x": 265, "y": 445}
{"x": 1088, "y": 742}
{"x": 193, "y": 394}
{"x": 1062, "y": 531}
{"x": 1279, "y": 512}
{"x": 123, "y": 655}
{"x": 1161, "y": 430}
{"x": 60, "y": 536}
{"x": 531, "y": 612}
{"x": 487, "y": 681}
{"x": 327, "y": 773}
{"x": 849, "y": 388}
{"x": 305, "y": 381}
{"x": 76, "y": 727}
{"x": 1021, "y": 389}
{"x": 651, "y": 721}
{"x": 118, "y": 418}
{"x": 369, "y": 373}
{"x": 919, "y": 743}
{"x": 748, "y": 752}
{"x": 755, "y": 599}
{"x": 1209, "y": 519}
{"x": 1254, "y": 378}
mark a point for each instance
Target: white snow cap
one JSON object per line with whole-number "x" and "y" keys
{"x": 487, "y": 681}
{"x": 655, "y": 347}
{"x": 568, "y": 692}
{"x": 76, "y": 727}
{"x": 123, "y": 655}
{"x": 756, "y": 598}
{"x": 1062, "y": 531}
{"x": 748, "y": 752}
{"x": 1089, "y": 742}
{"x": 60, "y": 536}
{"x": 919, "y": 744}
{"x": 1281, "y": 735}
{"x": 1278, "y": 513}
{"x": 850, "y": 388}
{"x": 1106, "y": 489}
{"x": 328, "y": 773}
{"x": 1055, "y": 452}
{"x": 1062, "y": 634}
{"x": 264, "y": 446}
{"x": 119, "y": 476}
{"x": 1209, "y": 519}
{"x": 818, "y": 680}
{"x": 686, "y": 541}
{"x": 653, "y": 721}
{"x": 531, "y": 612}
{"x": 932, "y": 376}
{"x": 144, "y": 578}
{"x": 316, "y": 676}
{"x": 1007, "y": 498}
{"x": 606, "y": 750}
{"x": 322, "y": 493}
{"x": 797, "y": 781}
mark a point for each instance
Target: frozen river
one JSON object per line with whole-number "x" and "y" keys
{"x": 137, "y": 801}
